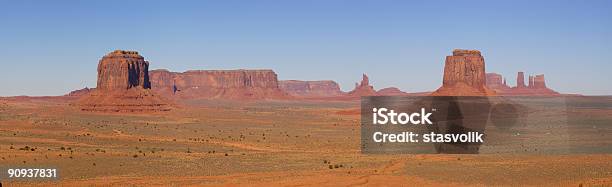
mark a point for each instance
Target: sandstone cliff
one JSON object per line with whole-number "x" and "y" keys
{"x": 464, "y": 75}
{"x": 217, "y": 84}
{"x": 123, "y": 86}
{"x": 325, "y": 88}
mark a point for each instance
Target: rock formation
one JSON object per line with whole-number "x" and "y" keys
{"x": 363, "y": 88}
{"x": 80, "y": 92}
{"x": 496, "y": 81}
{"x": 217, "y": 84}
{"x": 391, "y": 91}
{"x": 520, "y": 80}
{"x": 123, "y": 70}
{"x": 539, "y": 82}
{"x": 123, "y": 86}
{"x": 325, "y": 88}
{"x": 535, "y": 86}
{"x": 464, "y": 75}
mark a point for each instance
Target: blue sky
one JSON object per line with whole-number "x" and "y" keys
{"x": 52, "y": 47}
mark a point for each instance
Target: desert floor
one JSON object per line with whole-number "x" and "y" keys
{"x": 224, "y": 143}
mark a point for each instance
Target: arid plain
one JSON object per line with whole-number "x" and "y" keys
{"x": 254, "y": 143}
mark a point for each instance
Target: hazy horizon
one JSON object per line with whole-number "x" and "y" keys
{"x": 51, "y": 48}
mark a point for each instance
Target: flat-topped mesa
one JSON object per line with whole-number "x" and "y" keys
{"x": 464, "y": 74}
{"x": 218, "y": 84}
{"x": 120, "y": 70}
{"x": 324, "y": 88}
{"x": 123, "y": 86}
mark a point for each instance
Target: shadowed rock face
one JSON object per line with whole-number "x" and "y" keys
{"x": 123, "y": 70}
{"x": 326, "y": 88}
{"x": 223, "y": 84}
{"x": 464, "y": 74}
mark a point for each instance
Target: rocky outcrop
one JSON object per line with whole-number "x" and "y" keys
{"x": 121, "y": 70}
{"x": 520, "y": 80}
{"x": 80, "y": 92}
{"x": 464, "y": 75}
{"x": 217, "y": 84}
{"x": 391, "y": 91}
{"x": 539, "y": 82}
{"x": 123, "y": 86}
{"x": 363, "y": 88}
{"x": 497, "y": 83}
{"x": 325, "y": 88}
{"x": 535, "y": 86}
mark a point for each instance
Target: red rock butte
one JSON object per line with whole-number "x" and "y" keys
{"x": 217, "y": 84}
{"x": 123, "y": 86}
{"x": 464, "y": 75}
{"x": 123, "y": 70}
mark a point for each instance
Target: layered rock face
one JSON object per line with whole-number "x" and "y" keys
{"x": 325, "y": 88}
{"x": 363, "y": 88}
{"x": 535, "y": 86}
{"x": 123, "y": 86}
{"x": 218, "y": 84}
{"x": 123, "y": 70}
{"x": 464, "y": 75}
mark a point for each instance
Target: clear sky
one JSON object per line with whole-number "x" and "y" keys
{"x": 52, "y": 47}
